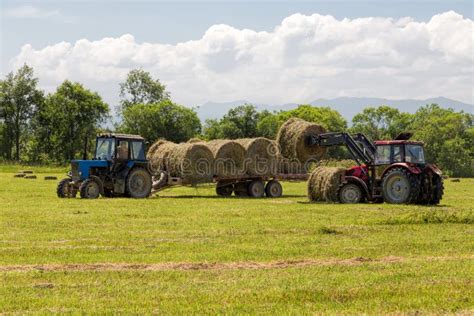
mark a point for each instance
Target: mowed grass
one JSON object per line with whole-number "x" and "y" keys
{"x": 243, "y": 255}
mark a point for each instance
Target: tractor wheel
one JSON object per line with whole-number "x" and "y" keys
{"x": 256, "y": 189}
{"x": 400, "y": 187}
{"x": 224, "y": 189}
{"x": 65, "y": 190}
{"x": 273, "y": 189}
{"x": 89, "y": 189}
{"x": 350, "y": 193}
{"x": 108, "y": 193}
{"x": 437, "y": 191}
{"x": 139, "y": 183}
{"x": 241, "y": 189}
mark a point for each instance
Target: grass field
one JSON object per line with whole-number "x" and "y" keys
{"x": 190, "y": 251}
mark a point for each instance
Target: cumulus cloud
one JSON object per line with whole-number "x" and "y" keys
{"x": 29, "y": 12}
{"x": 303, "y": 58}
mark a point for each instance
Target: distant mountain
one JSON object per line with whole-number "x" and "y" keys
{"x": 347, "y": 106}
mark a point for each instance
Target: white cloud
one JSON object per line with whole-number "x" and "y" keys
{"x": 30, "y": 12}
{"x": 303, "y": 58}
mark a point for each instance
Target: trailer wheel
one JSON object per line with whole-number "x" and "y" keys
{"x": 224, "y": 189}
{"x": 89, "y": 189}
{"x": 273, "y": 189}
{"x": 256, "y": 189}
{"x": 350, "y": 193}
{"x": 65, "y": 190}
{"x": 241, "y": 189}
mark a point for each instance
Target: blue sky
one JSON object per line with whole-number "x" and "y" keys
{"x": 43, "y": 24}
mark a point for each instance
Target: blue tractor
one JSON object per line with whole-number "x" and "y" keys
{"x": 119, "y": 169}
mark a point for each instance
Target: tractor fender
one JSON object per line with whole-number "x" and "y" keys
{"x": 434, "y": 168}
{"x": 99, "y": 181}
{"x": 411, "y": 168}
{"x": 359, "y": 182}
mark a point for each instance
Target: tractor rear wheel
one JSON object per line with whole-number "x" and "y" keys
{"x": 89, "y": 189}
{"x": 139, "y": 183}
{"x": 273, "y": 189}
{"x": 65, "y": 189}
{"x": 400, "y": 187}
{"x": 224, "y": 188}
{"x": 256, "y": 189}
{"x": 437, "y": 191}
{"x": 350, "y": 193}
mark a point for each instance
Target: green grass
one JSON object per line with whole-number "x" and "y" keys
{"x": 386, "y": 258}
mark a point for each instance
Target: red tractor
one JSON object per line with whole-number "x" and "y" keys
{"x": 393, "y": 171}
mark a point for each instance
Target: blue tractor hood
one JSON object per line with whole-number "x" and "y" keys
{"x": 81, "y": 168}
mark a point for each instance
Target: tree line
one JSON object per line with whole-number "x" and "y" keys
{"x": 52, "y": 128}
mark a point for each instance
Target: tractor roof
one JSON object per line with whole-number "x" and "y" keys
{"x": 398, "y": 142}
{"x": 125, "y": 136}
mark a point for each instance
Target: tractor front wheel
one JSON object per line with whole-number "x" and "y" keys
{"x": 400, "y": 187}
{"x": 139, "y": 183}
{"x": 350, "y": 193}
{"x": 89, "y": 189}
{"x": 65, "y": 189}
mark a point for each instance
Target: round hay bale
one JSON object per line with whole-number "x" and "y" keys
{"x": 229, "y": 157}
{"x": 151, "y": 151}
{"x": 26, "y": 171}
{"x": 19, "y": 175}
{"x": 194, "y": 163}
{"x": 324, "y": 182}
{"x": 29, "y": 177}
{"x": 195, "y": 140}
{"x": 261, "y": 156}
{"x": 50, "y": 178}
{"x": 292, "y": 137}
{"x": 158, "y": 158}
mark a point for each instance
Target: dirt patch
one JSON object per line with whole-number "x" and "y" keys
{"x": 171, "y": 266}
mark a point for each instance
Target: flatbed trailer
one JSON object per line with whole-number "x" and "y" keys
{"x": 245, "y": 185}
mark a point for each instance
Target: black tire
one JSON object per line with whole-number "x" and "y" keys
{"x": 89, "y": 189}
{"x": 273, "y": 189}
{"x": 350, "y": 193}
{"x": 256, "y": 189}
{"x": 437, "y": 191}
{"x": 400, "y": 187}
{"x": 241, "y": 189}
{"x": 224, "y": 189}
{"x": 138, "y": 183}
{"x": 65, "y": 190}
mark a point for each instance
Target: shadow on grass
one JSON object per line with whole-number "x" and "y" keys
{"x": 222, "y": 197}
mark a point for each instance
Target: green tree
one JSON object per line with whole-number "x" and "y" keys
{"x": 162, "y": 120}
{"x": 141, "y": 88}
{"x": 380, "y": 123}
{"x": 239, "y": 122}
{"x": 19, "y": 99}
{"x": 448, "y": 136}
{"x": 69, "y": 116}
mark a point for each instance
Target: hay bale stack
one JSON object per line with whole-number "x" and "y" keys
{"x": 261, "y": 156}
{"x": 229, "y": 157}
{"x": 323, "y": 184}
{"x": 292, "y": 141}
{"x": 158, "y": 155}
{"x": 194, "y": 163}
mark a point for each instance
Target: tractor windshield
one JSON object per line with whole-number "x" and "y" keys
{"x": 105, "y": 148}
{"x": 414, "y": 154}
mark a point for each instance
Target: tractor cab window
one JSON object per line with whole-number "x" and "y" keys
{"x": 122, "y": 149}
{"x": 414, "y": 154}
{"x": 138, "y": 152}
{"x": 382, "y": 155}
{"x": 105, "y": 149}
{"x": 397, "y": 153}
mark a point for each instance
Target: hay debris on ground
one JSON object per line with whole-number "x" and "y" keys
{"x": 19, "y": 175}
{"x": 296, "y": 154}
{"x": 50, "y": 178}
{"x": 194, "y": 163}
{"x": 26, "y": 171}
{"x": 229, "y": 157}
{"x": 261, "y": 157}
{"x": 29, "y": 177}
{"x": 324, "y": 182}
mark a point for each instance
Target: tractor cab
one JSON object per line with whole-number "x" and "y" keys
{"x": 399, "y": 151}
{"x": 118, "y": 168}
